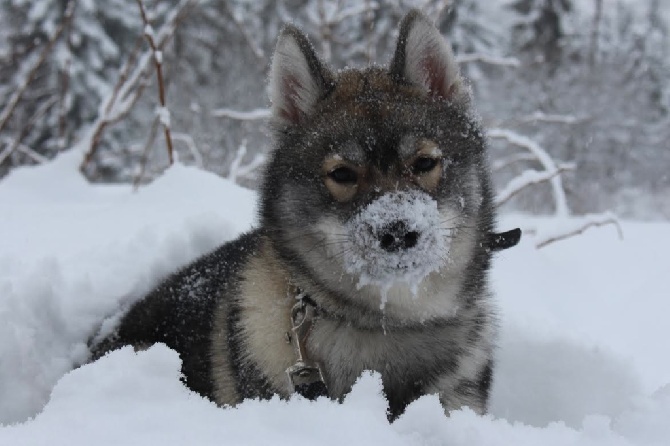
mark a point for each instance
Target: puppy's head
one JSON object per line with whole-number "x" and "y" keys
{"x": 379, "y": 176}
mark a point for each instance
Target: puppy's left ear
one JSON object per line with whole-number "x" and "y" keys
{"x": 425, "y": 59}
{"x": 298, "y": 79}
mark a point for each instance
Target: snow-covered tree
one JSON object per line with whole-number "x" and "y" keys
{"x": 585, "y": 81}
{"x": 73, "y": 47}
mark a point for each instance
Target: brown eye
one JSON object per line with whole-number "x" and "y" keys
{"x": 424, "y": 164}
{"x": 343, "y": 175}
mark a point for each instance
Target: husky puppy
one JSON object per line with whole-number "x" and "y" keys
{"x": 376, "y": 209}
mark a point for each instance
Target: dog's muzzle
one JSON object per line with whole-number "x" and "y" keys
{"x": 397, "y": 237}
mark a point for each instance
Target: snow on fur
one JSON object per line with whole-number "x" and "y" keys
{"x": 375, "y": 265}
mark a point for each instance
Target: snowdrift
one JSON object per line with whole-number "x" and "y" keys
{"x": 582, "y": 357}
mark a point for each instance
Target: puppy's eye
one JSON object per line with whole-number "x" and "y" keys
{"x": 343, "y": 175}
{"x": 424, "y": 164}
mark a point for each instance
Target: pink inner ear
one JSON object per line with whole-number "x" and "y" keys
{"x": 289, "y": 109}
{"x": 436, "y": 77}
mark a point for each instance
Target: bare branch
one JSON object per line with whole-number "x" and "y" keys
{"x": 579, "y": 227}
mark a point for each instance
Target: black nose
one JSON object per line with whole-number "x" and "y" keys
{"x": 397, "y": 236}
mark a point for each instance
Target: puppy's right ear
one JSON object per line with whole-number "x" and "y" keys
{"x": 424, "y": 59}
{"x": 298, "y": 79}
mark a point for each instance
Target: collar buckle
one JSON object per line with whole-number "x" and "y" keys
{"x": 305, "y": 376}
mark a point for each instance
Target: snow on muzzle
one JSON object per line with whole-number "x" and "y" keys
{"x": 397, "y": 238}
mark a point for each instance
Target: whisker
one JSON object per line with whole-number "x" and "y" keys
{"x": 342, "y": 253}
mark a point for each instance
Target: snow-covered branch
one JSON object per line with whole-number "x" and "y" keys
{"x": 145, "y": 152}
{"x": 323, "y": 16}
{"x": 551, "y": 173}
{"x": 539, "y": 116}
{"x": 355, "y": 10}
{"x": 132, "y": 80}
{"x": 251, "y": 115}
{"x": 526, "y": 179}
{"x": 65, "y": 98}
{"x": 190, "y": 145}
{"x": 14, "y": 145}
{"x": 578, "y": 226}
{"x": 522, "y": 141}
{"x": 488, "y": 59}
{"x": 244, "y": 32}
{"x": 30, "y": 153}
{"x": 28, "y": 70}
{"x": 237, "y": 169}
{"x": 502, "y": 163}
{"x": 162, "y": 112}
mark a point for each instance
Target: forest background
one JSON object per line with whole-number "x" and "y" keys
{"x": 574, "y": 94}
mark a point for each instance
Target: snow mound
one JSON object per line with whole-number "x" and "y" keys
{"x": 72, "y": 254}
{"x": 580, "y": 361}
{"x": 137, "y": 398}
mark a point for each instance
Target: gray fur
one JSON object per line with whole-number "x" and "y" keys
{"x": 228, "y": 312}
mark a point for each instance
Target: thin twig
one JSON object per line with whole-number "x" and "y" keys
{"x": 370, "y": 25}
{"x": 32, "y": 154}
{"x": 190, "y": 145}
{"x": 590, "y": 222}
{"x": 252, "y": 115}
{"x": 65, "y": 80}
{"x": 540, "y": 117}
{"x": 132, "y": 81}
{"x": 108, "y": 104}
{"x": 12, "y": 146}
{"x": 237, "y": 169}
{"x": 36, "y": 116}
{"x": 158, "y": 61}
{"x": 488, "y": 59}
{"x": 500, "y": 164}
{"x": 145, "y": 153}
{"x": 243, "y": 30}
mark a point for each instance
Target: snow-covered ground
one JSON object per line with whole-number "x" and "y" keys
{"x": 583, "y": 357}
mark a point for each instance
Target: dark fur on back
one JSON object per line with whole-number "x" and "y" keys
{"x": 178, "y": 313}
